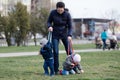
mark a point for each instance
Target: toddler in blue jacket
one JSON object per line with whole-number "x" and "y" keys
{"x": 46, "y": 52}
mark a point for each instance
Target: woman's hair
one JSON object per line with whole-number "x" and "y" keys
{"x": 60, "y": 5}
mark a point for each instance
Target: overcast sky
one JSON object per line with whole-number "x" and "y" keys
{"x": 93, "y": 8}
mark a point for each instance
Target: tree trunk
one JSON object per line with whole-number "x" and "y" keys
{"x": 8, "y": 42}
{"x": 8, "y": 39}
{"x": 18, "y": 38}
{"x": 35, "y": 41}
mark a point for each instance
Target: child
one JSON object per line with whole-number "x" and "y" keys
{"x": 71, "y": 64}
{"x": 46, "y": 52}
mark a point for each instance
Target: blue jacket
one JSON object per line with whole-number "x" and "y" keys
{"x": 46, "y": 51}
{"x": 104, "y": 35}
{"x": 61, "y": 23}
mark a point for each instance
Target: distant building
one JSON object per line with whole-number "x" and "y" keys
{"x": 87, "y": 27}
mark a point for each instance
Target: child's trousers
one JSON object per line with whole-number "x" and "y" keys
{"x": 49, "y": 64}
{"x": 65, "y": 72}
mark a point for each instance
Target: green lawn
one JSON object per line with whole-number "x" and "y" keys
{"x": 36, "y": 48}
{"x": 19, "y": 49}
{"x": 104, "y": 65}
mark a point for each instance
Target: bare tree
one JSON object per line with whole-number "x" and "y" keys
{"x": 115, "y": 17}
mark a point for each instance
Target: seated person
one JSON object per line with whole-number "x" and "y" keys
{"x": 72, "y": 62}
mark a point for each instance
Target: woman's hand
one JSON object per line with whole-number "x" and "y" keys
{"x": 69, "y": 38}
{"x": 50, "y": 29}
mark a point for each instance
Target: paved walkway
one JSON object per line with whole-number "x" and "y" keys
{"x": 36, "y": 53}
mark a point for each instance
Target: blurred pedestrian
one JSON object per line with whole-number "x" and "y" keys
{"x": 104, "y": 38}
